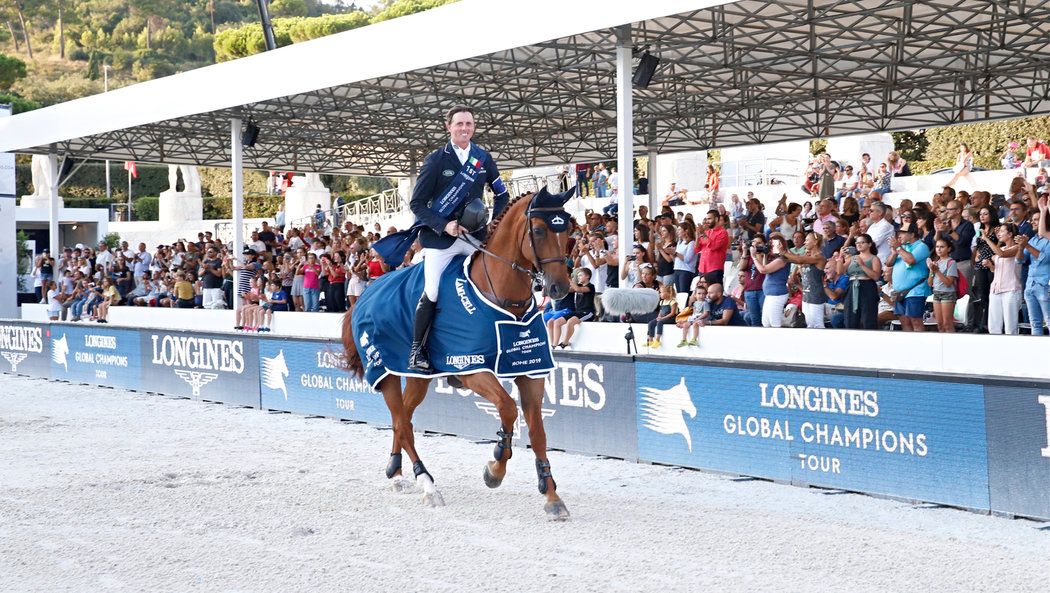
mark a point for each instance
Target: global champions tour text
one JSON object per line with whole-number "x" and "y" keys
{"x": 824, "y": 400}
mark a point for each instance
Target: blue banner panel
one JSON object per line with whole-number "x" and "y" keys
{"x": 25, "y": 349}
{"x": 95, "y": 354}
{"x": 904, "y": 438}
{"x": 210, "y": 367}
{"x": 307, "y": 377}
{"x": 587, "y": 408}
{"x": 1019, "y": 450}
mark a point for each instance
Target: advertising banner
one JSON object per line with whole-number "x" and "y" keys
{"x": 587, "y": 408}
{"x": 211, "y": 367}
{"x": 1019, "y": 450}
{"x": 24, "y": 349}
{"x": 95, "y": 354}
{"x": 307, "y": 377}
{"x": 911, "y": 439}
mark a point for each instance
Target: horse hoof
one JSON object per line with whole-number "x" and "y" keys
{"x": 556, "y": 511}
{"x": 490, "y": 480}
{"x": 402, "y": 485}
{"x": 433, "y": 499}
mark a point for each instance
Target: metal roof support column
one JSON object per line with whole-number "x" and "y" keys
{"x": 654, "y": 191}
{"x": 624, "y": 142}
{"x": 53, "y": 206}
{"x": 237, "y": 164}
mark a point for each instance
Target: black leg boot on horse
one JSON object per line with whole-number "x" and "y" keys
{"x": 418, "y": 358}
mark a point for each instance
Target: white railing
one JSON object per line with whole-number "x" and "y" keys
{"x": 533, "y": 183}
{"x": 362, "y": 212}
{"x": 762, "y": 172}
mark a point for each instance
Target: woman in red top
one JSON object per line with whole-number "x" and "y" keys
{"x": 712, "y": 183}
{"x": 335, "y": 269}
{"x": 376, "y": 267}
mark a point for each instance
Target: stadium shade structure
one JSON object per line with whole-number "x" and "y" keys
{"x": 551, "y": 83}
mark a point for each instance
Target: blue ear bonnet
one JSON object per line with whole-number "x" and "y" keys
{"x": 550, "y": 208}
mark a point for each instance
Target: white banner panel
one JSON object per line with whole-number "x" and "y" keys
{"x": 8, "y": 245}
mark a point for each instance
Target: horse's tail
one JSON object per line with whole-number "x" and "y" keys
{"x": 351, "y": 357}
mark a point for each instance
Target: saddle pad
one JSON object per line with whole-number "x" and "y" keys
{"x": 470, "y": 334}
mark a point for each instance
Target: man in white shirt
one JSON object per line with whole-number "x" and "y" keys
{"x": 848, "y": 182}
{"x": 104, "y": 257}
{"x": 880, "y": 230}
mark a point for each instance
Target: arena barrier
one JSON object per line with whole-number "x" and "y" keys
{"x": 975, "y": 442}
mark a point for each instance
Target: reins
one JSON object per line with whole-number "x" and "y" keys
{"x": 534, "y": 274}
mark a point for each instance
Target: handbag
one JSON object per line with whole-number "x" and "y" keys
{"x": 684, "y": 315}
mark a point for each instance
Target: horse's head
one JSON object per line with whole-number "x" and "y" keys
{"x": 544, "y": 239}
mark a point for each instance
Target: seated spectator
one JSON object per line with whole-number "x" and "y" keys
{"x": 666, "y": 312}
{"x": 1009, "y": 158}
{"x": 583, "y": 308}
{"x": 723, "y": 309}
{"x": 699, "y": 313}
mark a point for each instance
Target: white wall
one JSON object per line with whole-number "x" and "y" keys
{"x": 685, "y": 169}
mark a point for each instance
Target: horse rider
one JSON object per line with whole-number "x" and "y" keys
{"x": 452, "y": 179}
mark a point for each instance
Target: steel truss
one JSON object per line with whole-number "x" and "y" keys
{"x": 739, "y": 73}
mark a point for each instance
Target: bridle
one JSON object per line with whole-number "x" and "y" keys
{"x": 535, "y": 274}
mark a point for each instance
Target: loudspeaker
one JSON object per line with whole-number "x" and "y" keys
{"x": 250, "y": 135}
{"x": 643, "y": 74}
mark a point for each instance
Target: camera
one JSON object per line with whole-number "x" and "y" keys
{"x": 630, "y": 258}
{"x": 762, "y": 249}
{"x": 851, "y": 251}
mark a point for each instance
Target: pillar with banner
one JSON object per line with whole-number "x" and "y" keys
{"x": 9, "y": 245}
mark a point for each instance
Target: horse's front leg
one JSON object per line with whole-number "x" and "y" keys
{"x": 531, "y": 391}
{"x": 487, "y": 386}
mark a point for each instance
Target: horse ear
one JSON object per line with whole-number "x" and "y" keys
{"x": 567, "y": 195}
{"x": 543, "y": 193}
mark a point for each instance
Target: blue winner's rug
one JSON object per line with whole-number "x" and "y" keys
{"x": 470, "y": 334}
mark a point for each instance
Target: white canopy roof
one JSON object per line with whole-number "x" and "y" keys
{"x": 540, "y": 75}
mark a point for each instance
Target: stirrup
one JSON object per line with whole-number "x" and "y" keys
{"x": 543, "y": 471}
{"x": 503, "y": 444}
{"x": 393, "y": 465}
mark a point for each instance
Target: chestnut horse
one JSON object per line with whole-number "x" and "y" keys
{"x": 522, "y": 247}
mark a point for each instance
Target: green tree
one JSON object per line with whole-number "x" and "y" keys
{"x": 288, "y": 8}
{"x": 911, "y": 145}
{"x": 11, "y": 69}
{"x": 402, "y": 8}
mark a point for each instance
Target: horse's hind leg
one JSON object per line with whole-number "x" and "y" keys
{"x": 486, "y": 385}
{"x": 531, "y": 391}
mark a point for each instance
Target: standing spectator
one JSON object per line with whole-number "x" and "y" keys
{"x": 774, "y": 286}
{"x": 664, "y": 249}
{"x": 583, "y": 180}
{"x": 944, "y": 278}
{"x": 713, "y": 181}
{"x": 755, "y": 221}
{"x": 952, "y": 226}
{"x": 828, "y": 172}
{"x": 811, "y": 275}
{"x": 685, "y": 264}
{"x": 1036, "y": 252}
{"x": 142, "y": 261}
{"x": 910, "y": 273}
{"x": 880, "y": 230}
{"x": 311, "y": 272}
{"x": 988, "y": 221}
{"x": 334, "y": 268}
{"x": 279, "y": 217}
{"x": 788, "y": 220}
{"x": 1004, "y": 301}
{"x": 835, "y": 286}
{"x": 753, "y": 295}
{"x": 632, "y": 272}
{"x": 863, "y": 267}
{"x": 712, "y": 244}
{"x": 833, "y": 241}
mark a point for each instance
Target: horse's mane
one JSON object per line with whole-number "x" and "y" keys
{"x": 495, "y": 221}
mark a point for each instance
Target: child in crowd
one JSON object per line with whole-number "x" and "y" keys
{"x": 666, "y": 314}
{"x": 944, "y": 274}
{"x": 700, "y": 312}
{"x": 275, "y": 299}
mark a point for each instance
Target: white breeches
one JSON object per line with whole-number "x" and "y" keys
{"x": 434, "y": 263}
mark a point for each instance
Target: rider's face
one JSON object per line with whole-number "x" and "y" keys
{"x": 461, "y": 130}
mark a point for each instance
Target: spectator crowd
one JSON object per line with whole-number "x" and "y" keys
{"x": 845, "y": 259}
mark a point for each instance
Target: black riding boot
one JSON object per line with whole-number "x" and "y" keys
{"x": 417, "y": 357}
